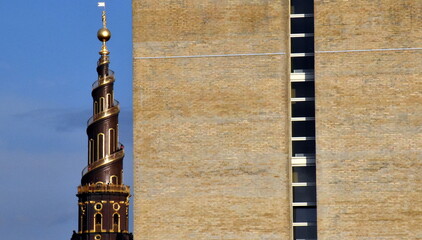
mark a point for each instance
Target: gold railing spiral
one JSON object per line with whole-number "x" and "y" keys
{"x": 107, "y": 159}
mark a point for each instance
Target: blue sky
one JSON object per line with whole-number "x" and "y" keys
{"x": 48, "y": 57}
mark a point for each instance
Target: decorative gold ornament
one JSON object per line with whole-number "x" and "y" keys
{"x": 116, "y": 206}
{"x": 98, "y": 206}
{"x": 103, "y": 34}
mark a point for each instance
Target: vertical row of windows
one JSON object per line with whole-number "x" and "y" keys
{"x": 97, "y": 149}
{"x": 104, "y": 103}
{"x": 304, "y": 219}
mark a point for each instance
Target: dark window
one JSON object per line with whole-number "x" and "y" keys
{"x": 303, "y": 128}
{"x": 305, "y": 232}
{"x": 95, "y": 107}
{"x": 101, "y": 104}
{"x": 112, "y": 137}
{"x": 116, "y": 219}
{"x": 303, "y": 109}
{"x": 302, "y": 25}
{"x": 302, "y": 63}
{"x": 304, "y": 174}
{"x": 303, "y": 89}
{"x": 109, "y": 102}
{"x": 100, "y": 146}
{"x": 304, "y": 214}
{"x": 98, "y": 222}
{"x": 303, "y": 147}
{"x": 304, "y": 194}
{"x": 302, "y": 45}
{"x": 302, "y": 6}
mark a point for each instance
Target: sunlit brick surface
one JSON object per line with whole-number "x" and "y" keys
{"x": 369, "y": 119}
{"x": 211, "y": 133}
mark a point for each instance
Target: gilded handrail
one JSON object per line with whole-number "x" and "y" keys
{"x": 108, "y": 112}
{"x": 107, "y": 159}
{"x": 102, "y": 81}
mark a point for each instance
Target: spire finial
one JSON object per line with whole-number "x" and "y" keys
{"x": 104, "y": 35}
{"x": 104, "y": 18}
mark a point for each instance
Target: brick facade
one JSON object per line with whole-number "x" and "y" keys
{"x": 211, "y": 142}
{"x": 369, "y": 119}
{"x": 212, "y": 132}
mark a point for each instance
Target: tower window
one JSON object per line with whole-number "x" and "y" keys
{"x": 100, "y": 145}
{"x": 109, "y": 100}
{"x": 116, "y": 222}
{"x": 114, "y": 180}
{"x": 101, "y": 104}
{"x": 112, "y": 140}
{"x": 98, "y": 222}
{"x": 91, "y": 151}
{"x": 95, "y": 107}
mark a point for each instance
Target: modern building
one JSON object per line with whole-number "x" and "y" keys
{"x": 277, "y": 119}
{"x": 103, "y": 198}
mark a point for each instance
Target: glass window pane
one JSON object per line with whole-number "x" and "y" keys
{"x": 304, "y": 214}
{"x": 302, "y": 6}
{"x": 304, "y": 194}
{"x": 305, "y": 232}
{"x": 304, "y": 174}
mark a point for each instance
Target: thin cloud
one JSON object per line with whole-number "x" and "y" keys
{"x": 62, "y": 120}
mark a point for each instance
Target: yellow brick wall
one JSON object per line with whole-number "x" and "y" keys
{"x": 369, "y": 119}
{"x": 210, "y": 133}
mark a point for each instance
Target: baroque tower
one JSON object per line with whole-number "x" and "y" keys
{"x": 103, "y": 198}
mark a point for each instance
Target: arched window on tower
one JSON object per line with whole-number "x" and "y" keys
{"x": 100, "y": 145}
{"x": 98, "y": 218}
{"x": 114, "y": 179}
{"x": 95, "y": 107}
{"x": 116, "y": 222}
{"x": 101, "y": 104}
{"x": 109, "y": 100}
{"x": 111, "y": 140}
{"x": 91, "y": 151}
{"x": 117, "y": 136}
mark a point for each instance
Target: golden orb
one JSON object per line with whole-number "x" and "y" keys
{"x": 104, "y": 34}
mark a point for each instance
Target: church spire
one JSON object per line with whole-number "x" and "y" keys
{"x": 103, "y": 198}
